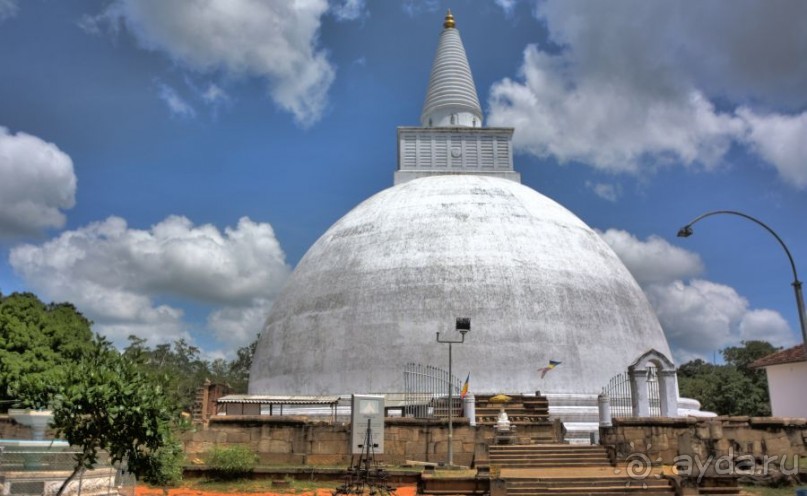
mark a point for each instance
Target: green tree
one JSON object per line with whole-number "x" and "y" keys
{"x": 37, "y": 339}
{"x": 732, "y": 388}
{"x": 107, "y": 402}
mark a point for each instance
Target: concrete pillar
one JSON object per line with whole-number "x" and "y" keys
{"x": 469, "y": 408}
{"x": 604, "y": 407}
{"x": 639, "y": 394}
{"x": 668, "y": 393}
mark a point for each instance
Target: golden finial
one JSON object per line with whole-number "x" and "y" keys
{"x": 449, "y": 22}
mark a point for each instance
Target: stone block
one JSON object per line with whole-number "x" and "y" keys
{"x": 237, "y": 437}
{"x": 330, "y": 447}
{"x": 327, "y": 459}
{"x": 716, "y": 430}
{"x": 777, "y": 446}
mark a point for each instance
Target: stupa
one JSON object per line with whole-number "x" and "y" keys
{"x": 457, "y": 235}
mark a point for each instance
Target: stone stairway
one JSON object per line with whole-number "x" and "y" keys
{"x": 548, "y": 455}
{"x": 521, "y": 409}
{"x": 587, "y": 485}
{"x": 568, "y": 470}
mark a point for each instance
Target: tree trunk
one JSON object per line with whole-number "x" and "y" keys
{"x": 79, "y": 468}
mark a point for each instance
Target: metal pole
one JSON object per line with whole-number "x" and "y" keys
{"x": 450, "y": 412}
{"x": 686, "y": 232}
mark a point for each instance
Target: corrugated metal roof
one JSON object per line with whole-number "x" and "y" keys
{"x": 278, "y": 400}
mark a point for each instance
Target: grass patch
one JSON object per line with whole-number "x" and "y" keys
{"x": 255, "y": 486}
{"x": 768, "y": 491}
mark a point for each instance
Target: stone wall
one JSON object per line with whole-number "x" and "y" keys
{"x": 662, "y": 440}
{"x": 295, "y": 440}
{"x": 12, "y": 430}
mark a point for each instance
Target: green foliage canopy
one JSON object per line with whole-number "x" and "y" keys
{"x": 37, "y": 339}
{"x": 732, "y": 388}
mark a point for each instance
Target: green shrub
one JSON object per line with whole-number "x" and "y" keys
{"x": 167, "y": 464}
{"x": 231, "y": 462}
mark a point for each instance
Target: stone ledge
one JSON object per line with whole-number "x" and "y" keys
{"x": 654, "y": 421}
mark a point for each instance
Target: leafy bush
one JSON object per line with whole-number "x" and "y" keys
{"x": 166, "y": 461}
{"x": 230, "y": 462}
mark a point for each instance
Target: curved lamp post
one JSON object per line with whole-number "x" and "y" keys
{"x": 686, "y": 232}
{"x": 464, "y": 327}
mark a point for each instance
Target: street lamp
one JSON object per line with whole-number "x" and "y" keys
{"x": 686, "y": 232}
{"x": 464, "y": 327}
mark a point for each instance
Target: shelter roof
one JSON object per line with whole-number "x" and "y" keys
{"x": 790, "y": 355}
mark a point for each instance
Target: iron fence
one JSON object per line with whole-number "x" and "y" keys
{"x": 426, "y": 391}
{"x": 620, "y": 396}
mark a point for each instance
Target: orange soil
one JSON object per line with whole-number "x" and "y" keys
{"x": 150, "y": 491}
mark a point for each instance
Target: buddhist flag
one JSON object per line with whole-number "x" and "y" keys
{"x": 552, "y": 365}
{"x": 464, "y": 390}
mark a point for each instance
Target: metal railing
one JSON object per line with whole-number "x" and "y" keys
{"x": 426, "y": 391}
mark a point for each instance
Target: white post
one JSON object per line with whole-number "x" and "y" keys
{"x": 604, "y": 407}
{"x": 469, "y": 408}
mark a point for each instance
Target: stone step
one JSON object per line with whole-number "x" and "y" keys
{"x": 543, "y": 450}
{"x": 544, "y": 483}
{"x": 546, "y": 455}
{"x": 588, "y": 492}
{"x": 550, "y": 464}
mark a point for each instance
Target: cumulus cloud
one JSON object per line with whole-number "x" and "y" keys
{"x": 782, "y": 141}
{"x": 276, "y": 41}
{"x": 8, "y": 9}
{"x": 654, "y": 260}
{"x": 698, "y": 316}
{"x": 632, "y": 85}
{"x": 116, "y": 275}
{"x": 37, "y": 183}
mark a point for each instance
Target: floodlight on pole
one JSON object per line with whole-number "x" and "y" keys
{"x": 686, "y": 232}
{"x": 463, "y": 325}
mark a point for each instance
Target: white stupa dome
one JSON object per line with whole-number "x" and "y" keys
{"x": 537, "y": 283}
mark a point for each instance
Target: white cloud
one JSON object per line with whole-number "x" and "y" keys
{"x": 653, "y": 260}
{"x": 116, "y": 275}
{"x": 413, "y": 8}
{"x": 214, "y": 95}
{"x": 275, "y": 41}
{"x": 348, "y": 10}
{"x": 176, "y": 104}
{"x": 8, "y": 9}
{"x": 606, "y": 191}
{"x": 37, "y": 182}
{"x": 782, "y": 141}
{"x": 507, "y": 6}
{"x": 766, "y": 325}
{"x": 239, "y": 325}
{"x": 633, "y": 84}
{"x": 699, "y": 317}
{"x": 609, "y": 125}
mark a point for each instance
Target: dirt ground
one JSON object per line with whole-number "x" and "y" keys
{"x": 150, "y": 491}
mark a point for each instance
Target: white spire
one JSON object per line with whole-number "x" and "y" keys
{"x": 451, "y": 99}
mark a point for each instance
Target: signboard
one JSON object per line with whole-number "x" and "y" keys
{"x": 367, "y": 407}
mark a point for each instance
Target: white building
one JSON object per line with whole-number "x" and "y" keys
{"x": 787, "y": 376}
{"x": 458, "y": 235}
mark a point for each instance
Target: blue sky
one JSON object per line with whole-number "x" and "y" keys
{"x": 164, "y": 165}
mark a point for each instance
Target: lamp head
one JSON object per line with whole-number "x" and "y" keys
{"x": 463, "y": 325}
{"x": 685, "y": 231}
